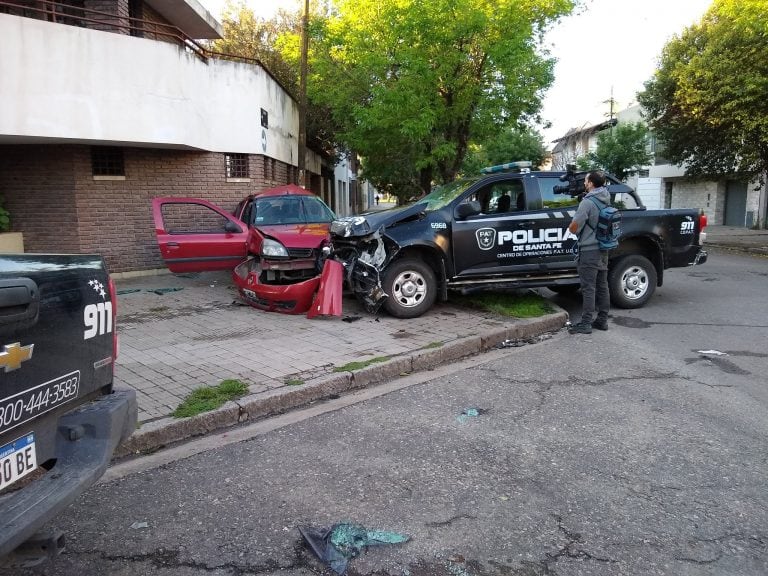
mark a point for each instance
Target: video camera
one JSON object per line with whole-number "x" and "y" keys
{"x": 575, "y": 182}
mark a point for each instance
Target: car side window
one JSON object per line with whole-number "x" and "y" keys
{"x": 500, "y": 197}
{"x": 192, "y": 218}
{"x": 548, "y": 196}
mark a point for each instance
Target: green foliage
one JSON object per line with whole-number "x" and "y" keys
{"x": 509, "y": 145}
{"x": 209, "y": 398}
{"x": 621, "y": 151}
{"x": 5, "y": 217}
{"x": 360, "y": 364}
{"x": 707, "y": 101}
{"x": 412, "y": 82}
{"x": 516, "y": 305}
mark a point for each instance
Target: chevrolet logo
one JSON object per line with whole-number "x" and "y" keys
{"x": 14, "y": 354}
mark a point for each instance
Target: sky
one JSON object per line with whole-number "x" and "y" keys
{"x": 608, "y": 49}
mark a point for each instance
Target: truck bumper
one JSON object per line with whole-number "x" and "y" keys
{"x": 85, "y": 442}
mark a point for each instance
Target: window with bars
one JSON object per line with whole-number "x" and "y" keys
{"x": 237, "y": 165}
{"x": 107, "y": 161}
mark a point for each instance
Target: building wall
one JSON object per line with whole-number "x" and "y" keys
{"x": 54, "y": 199}
{"x": 136, "y": 91}
{"x": 708, "y": 196}
{"x": 38, "y": 185}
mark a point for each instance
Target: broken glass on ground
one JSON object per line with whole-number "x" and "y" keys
{"x": 342, "y": 542}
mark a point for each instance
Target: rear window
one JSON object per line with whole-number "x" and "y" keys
{"x": 548, "y": 196}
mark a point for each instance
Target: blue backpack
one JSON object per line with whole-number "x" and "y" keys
{"x": 608, "y": 227}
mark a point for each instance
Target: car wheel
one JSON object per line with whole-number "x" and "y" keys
{"x": 411, "y": 287}
{"x": 631, "y": 281}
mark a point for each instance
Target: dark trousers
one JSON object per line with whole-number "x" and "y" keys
{"x": 593, "y": 275}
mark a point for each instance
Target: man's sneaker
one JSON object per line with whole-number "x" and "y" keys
{"x": 580, "y": 328}
{"x": 600, "y": 324}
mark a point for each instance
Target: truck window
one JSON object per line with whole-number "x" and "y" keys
{"x": 549, "y": 198}
{"x": 500, "y": 197}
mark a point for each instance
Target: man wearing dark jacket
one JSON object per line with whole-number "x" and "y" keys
{"x": 592, "y": 263}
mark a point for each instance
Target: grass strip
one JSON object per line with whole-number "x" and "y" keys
{"x": 207, "y": 398}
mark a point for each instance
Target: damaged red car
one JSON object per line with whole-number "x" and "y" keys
{"x": 273, "y": 242}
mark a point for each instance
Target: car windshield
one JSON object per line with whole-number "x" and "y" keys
{"x": 294, "y": 209}
{"x": 443, "y": 195}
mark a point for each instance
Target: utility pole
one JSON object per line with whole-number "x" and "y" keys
{"x": 302, "y": 160}
{"x": 612, "y": 103}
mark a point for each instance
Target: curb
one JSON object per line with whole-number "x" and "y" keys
{"x": 743, "y": 248}
{"x": 160, "y": 433}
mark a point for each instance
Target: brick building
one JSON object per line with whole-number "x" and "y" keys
{"x": 106, "y": 104}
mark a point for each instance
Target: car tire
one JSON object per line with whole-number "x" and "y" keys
{"x": 631, "y": 281}
{"x": 411, "y": 287}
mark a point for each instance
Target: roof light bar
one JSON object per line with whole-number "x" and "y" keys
{"x": 521, "y": 166}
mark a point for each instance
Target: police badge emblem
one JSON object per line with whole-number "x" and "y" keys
{"x": 486, "y": 238}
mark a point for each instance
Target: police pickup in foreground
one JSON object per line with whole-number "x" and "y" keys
{"x": 60, "y": 419}
{"x": 505, "y": 227}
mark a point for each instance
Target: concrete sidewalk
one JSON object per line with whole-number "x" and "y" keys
{"x": 180, "y": 332}
{"x": 738, "y": 239}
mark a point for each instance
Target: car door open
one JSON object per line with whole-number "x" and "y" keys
{"x": 196, "y": 236}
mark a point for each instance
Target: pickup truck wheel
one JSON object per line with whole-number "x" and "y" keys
{"x": 631, "y": 281}
{"x": 411, "y": 287}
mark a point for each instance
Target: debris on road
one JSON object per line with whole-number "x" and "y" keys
{"x": 345, "y": 541}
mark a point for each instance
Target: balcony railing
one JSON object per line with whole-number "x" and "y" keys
{"x": 73, "y": 13}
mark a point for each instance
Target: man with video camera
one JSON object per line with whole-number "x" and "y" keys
{"x": 592, "y": 263}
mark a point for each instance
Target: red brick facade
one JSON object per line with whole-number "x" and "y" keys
{"x": 59, "y": 206}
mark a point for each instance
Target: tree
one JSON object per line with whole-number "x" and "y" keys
{"x": 412, "y": 82}
{"x": 707, "y": 101}
{"x": 508, "y": 146}
{"x": 621, "y": 151}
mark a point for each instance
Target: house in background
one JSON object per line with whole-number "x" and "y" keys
{"x": 576, "y": 143}
{"x": 664, "y": 185}
{"x": 106, "y": 104}
{"x": 725, "y": 201}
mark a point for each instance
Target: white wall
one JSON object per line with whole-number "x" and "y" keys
{"x": 651, "y": 192}
{"x": 69, "y": 84}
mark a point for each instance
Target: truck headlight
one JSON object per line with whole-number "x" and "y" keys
{"x": 273, "y": 249}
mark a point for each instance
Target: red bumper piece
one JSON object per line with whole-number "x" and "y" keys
{"x": 327, "y": 301}
{"x": 287, "y": 298}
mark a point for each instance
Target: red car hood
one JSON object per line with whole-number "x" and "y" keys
{"x": 297, "y": 235}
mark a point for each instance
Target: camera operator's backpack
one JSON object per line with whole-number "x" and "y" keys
{"x": 608, "y": 227}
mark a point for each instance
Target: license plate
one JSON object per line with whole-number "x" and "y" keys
{"x": 29, "y": 404}
{"x": 17, "y": 459}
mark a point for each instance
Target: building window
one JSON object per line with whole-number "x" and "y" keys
{"x": 237, "y": 165}
{"x": 107, "y": 161}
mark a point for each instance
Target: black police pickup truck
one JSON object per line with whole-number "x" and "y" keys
{"x": 60, "y": 419}
{"x": 506, "y": 227}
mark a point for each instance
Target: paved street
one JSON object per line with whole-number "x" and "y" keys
{"x": 640, "y": 451}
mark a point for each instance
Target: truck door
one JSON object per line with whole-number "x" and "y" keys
{"x": 558, "y": 244}
{"x": 197, "y": 236}
{"x": 482, "y": 243}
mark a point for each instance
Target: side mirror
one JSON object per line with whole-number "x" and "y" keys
{"x": 232, "y": 227}
{"x": 467, "y": 209}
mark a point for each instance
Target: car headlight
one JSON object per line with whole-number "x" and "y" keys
{"x": 273, "y": 249}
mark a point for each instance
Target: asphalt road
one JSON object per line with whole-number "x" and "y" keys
{"x": 638, "y": 451}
